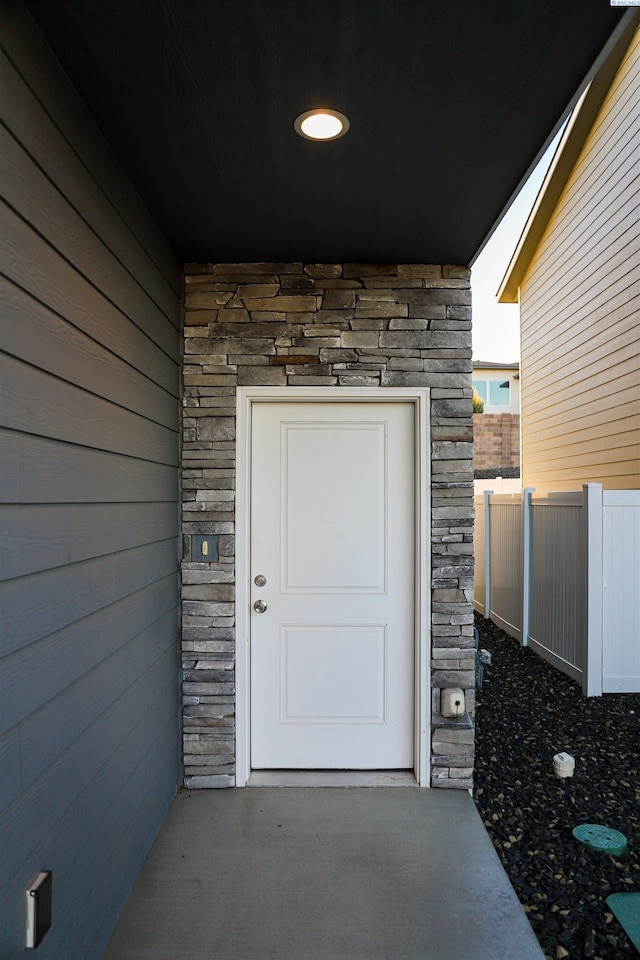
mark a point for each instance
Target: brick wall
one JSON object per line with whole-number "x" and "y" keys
{"x": 323, "y": 325}
{"x": 496, "y": 440}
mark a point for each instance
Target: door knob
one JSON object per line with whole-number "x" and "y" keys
{"x": 259, "y": 606}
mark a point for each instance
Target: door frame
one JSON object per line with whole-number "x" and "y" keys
{"x": 246, "y": 398}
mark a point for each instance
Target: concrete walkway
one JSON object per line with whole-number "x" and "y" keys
{"x": 301, "y": 873}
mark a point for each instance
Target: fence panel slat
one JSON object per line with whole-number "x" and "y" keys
{"x": 557, "y": 627}
{"x": 621, "y": 609}
{"x": 478, "y": 556}
{"x": 506, "y": 563}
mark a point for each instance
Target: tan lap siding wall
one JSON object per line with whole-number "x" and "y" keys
{"x": 580, "y": 312}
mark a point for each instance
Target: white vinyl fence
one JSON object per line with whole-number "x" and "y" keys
{"x": 560, "y": 572}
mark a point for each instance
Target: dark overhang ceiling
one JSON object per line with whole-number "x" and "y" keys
{"x": 450, "y": 103}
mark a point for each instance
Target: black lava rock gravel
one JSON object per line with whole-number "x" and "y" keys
{"x": 527, "y": 711}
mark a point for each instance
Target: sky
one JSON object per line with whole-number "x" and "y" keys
{"x": 495, "y": 325}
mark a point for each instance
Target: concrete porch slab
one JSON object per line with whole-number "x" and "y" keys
{"x": 323, "y": 874}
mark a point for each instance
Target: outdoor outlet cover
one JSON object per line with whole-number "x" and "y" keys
{"x": 452, "y": 702}
{"x": 38, "y": 908}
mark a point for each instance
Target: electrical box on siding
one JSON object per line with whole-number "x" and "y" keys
{"x": 38, "y": 909}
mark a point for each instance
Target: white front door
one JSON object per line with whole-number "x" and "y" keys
{"x": 333, "y": 536}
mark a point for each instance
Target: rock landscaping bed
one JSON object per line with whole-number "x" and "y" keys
{"x": 527, "y": 711}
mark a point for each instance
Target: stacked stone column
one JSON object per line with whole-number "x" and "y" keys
{"x": 291, "y": 324}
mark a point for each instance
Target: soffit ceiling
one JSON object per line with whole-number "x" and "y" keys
{"x": 450, "y": 103}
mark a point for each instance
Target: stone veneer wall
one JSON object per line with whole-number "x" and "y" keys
{"x": 496, "y": 440}
{"x": 322, "y": 324}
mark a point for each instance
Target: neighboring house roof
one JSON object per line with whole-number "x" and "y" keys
{"x": 573, "y": 140}
{"x": 488, "y": 365}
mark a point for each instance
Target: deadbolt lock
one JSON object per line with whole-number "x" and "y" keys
{"x": 260, "y": 581}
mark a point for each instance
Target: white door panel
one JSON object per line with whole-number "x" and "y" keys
{"x": 332, "y": 531}
{"x": 312, "y": 690}
{"x": 336, "y": 541}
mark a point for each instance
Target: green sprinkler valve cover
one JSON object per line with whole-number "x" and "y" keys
{"x": 602, "y": 839}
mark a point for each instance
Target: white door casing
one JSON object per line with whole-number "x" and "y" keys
{"x": 332, "y": 531}
{"x": 334, "y": 674}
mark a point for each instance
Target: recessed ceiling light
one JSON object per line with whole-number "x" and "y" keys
{"x": 321, "y": 124}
